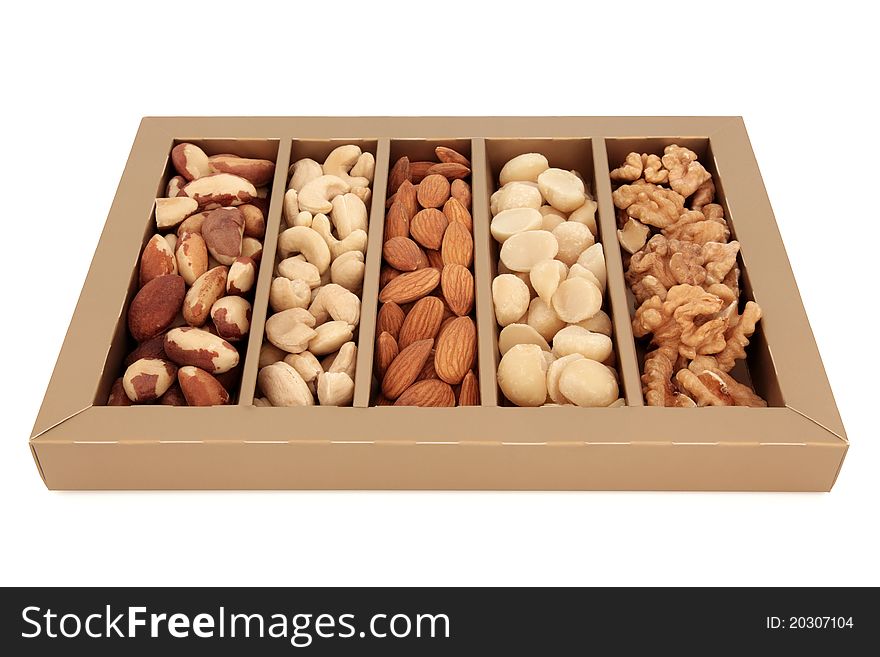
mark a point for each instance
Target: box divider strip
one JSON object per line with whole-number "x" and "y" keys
{"x": 370, "y": 293}
{"x": 628, "y": 363}
{"x": 264, "y": 277}
{"x": 487, "y": 352}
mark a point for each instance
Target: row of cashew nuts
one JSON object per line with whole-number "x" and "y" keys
{"x": 555, "y": 340}
{"x": 315, "y": 295}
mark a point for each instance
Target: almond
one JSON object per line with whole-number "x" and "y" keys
{"x": 456, "y": 213}
{"x": 390, "y": 319}
{"x": 397, "y": 221}
{"x": 428, "y": 227}
{"x": 448, "y": 155}
{"x": 407, "y": 196}
{"x": 382, "y": 400}
{"x": 404, "y": 254}
{"x": 428, "y": 371}
{"x": 430, "y": 392}
{"x": 435, "y": 259}
{"x": 458, "y": 246}
{"x": 418, "y": 170}
{"x": 422, "y": 322}
{"x": 450, "y": 170}
{"x": 433, "y": 191}
{"x": 386, "y": 352}
{"x": 157, "y": 260}
{"x": 404, "y": 369}
{"x": 155, "y": 306}
{"x": 456, "y": 348}
{"x": 469, "y": 394}
{"x": 386, "y": 275}
{"x": 410, "y": 286}
{"x": 461, "y": 191}
{"x": 457, "y": 284}
{"x": 398, "y": 174}
{"x": 200, "y": 388}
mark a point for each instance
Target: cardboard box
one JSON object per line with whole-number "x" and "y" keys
{"x": 797, "y": 443}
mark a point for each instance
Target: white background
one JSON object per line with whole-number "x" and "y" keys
{"x": 76, "y": 82}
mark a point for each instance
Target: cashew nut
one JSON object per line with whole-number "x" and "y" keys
{"x": 348, "y": 271}
{"x": 290, "y": 206}
{"x": 307, "y": 241}
{"x": 304, "y": 218}
{"x": 304, "y": 171}
{"x": 335, "y": 389}
{"x": 283, "y": 386}
{"x": 363, "y": 193}
{"x": 364, "y": 167}
{"x": 285, "y": 294}
{"x": 306, "y": 365}
{"x": 297, "y": 269}
{"x": 335, "y": 302}
{"x": 316, "y": 194}
{"x": 291, "y": 330}
{"x": 341, "y": 160}
{"x": 355, "y": 241}
{"x": 330, "y": 337}
{"x": 349, "y": 214}
{"x": 345, "y": 360}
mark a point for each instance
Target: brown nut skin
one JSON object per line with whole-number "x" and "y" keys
{"x": 254, "y": 221}
{"x": 173, "y": 396}
{"x": 190, "y": 161}
{"x": 192, "y": 224}
{"x": 192, "y": 257}
{"x": 204, "y": 292}
{"x": 231, "y": 317}
{"x": 152, "y": 348}
{"x": 200, "y": 388}
{"x": 117, "y": 396}
{"x": 200, "y": 348}
{"x": 222, "y": 231}
{"x": 156, "y": 260}
{"x": 258, "y": 172}
{"x": 220, "y": 189}
{"x": 148, "y": 379}
{"x": 155, "y": 306}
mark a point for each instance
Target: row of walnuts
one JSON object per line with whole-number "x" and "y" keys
{"x": 685, "y": 280}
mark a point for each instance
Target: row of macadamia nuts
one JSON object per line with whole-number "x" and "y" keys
{"x": 555, "y": 340}
{"x": 195, "y": 279}
{"x": 425, "y": 335}
{"x": 310, "y": 351}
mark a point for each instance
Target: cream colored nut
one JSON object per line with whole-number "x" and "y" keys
{"x": 335, "y": 302}
{"x": 147, "y": 379}
{"x": 291, "y": 330}
{"x": 262, "y": 402}
{"x": 285, "y": 294}
{"x": 263, "y": 192}
{"x": 241, "y": 276}
{"x": 576, "y": 299}
{"x": 551, "y": 217}
{"x": 588, "y": 383}
{"x": 527, "y": 166}
{"x": 174, "y": 185}
{"x": 232, "y": 317}
{"x": 543, "y": 319}
{"x": 199, "y": 348}
{"x": 295, "y": 269}
{"x": 269, "y": 354}
{"x": 171, "y": 211}
{"x": 355, "y": 241}
{"x": 546, "y": 276}
{"x": 562, "y": 189}
{"x": 633, "y": 236}
{"x": 205, "y": 290}
{"x": 516, "y": 195}
{"x": 190, "y": 161}
{"x": 330, "y": 337}
{"x": 576, "y": 340}
{"x": 514, "y": 334}
{"x": 335, "y": 389}
{"x": 579, "y": 271}
{"x": 513, "y": 221}
{"x": 364, "y": 167}
{"x": 290, "y": 207}
{"x": 522, "y": 251}
{"x": 349, "y": 214}
{"x": 363, "y": 193}
{"x": 220, "y": 189}
{"x": 553, "y": 374}
{"x": 549, "y": 358}
{"x": 340, "y": 161}
{"x": 171, "y": 241}
{"x": 522, "y": 375}
{"x": 586, "y": 215}
{"x": 598, "y": 323}
{"x": 511, "y": 298}
{"x": 345, "y": 360}
{"x": 304, "y": 171}
{"x": 251, "y": 248}
{"x": 303, "y": 218}
{"x": 617, "y": 403}
{"x": 307, "y": 241}
{"x": 594, "y": 260}
{"x": 348, "y": 271}
{"x": 283, "y": 386}
{"x": 306, "y": 365}
{"x": 315, "y": 196}
{"x": 574, "y": 239}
